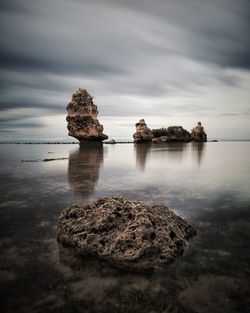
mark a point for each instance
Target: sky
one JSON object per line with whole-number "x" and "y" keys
{"x": 171, "y": 62}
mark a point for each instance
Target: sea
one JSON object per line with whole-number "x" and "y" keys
{"x": 207, "y": 184}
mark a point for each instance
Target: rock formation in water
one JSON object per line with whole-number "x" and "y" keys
{"x": 198, "y": 133}
{"x": 143, "y": 133}
{"x": 82, "y": 118}
{"x": 127, "y": 234}
{"x": 174, "y": 134}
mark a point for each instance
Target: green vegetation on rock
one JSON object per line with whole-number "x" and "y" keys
{"x": 159, "y": 132}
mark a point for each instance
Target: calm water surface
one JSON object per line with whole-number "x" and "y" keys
{"x": 207, "y": 184}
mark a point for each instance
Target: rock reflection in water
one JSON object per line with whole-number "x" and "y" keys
{"x": 198, "y": 151}
{"x": 84, "y": 166}
{"x": 173, "y": 152}
{"x": 102, "y": 288}
{"x": 141, "y": 152}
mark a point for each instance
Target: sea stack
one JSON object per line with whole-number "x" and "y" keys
{"x": 198, "y": 133}
{"x": 82, "y": 118}
{"x": 143, "y": 133}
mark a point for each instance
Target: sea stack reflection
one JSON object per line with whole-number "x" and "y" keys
{"x": 84, "y": 167}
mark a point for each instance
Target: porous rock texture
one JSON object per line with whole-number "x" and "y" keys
{"x": 82, "y": 118}
{"x": 198, "y": 133}
{"x": 128, "y": 234}
{"x": 143, "y": 133}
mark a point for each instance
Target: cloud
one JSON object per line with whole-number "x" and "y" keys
{"x": 136, "y": 57}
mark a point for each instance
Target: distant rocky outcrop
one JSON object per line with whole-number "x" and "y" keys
{"x": 127, "y": 234}
{"x": 172, "y": 134}
{"x": 198, "y": 133}
{"x": 143, "y": 133}
{"x": 82, "y": 118}
{"x": 179, "y": 134}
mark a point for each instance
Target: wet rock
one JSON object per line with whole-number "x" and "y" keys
{"x": 54, "y": 159}
{"x": 143, "y": 133}
{"x": 82, "y": 118}
{"x": 128, "y": 234}
{"x": 110, "y": 142}
{"x": 198, "y": 133}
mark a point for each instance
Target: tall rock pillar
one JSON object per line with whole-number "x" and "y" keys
{"x": 198, "y": 133}
{"x": 143, "y": 133}
{"x": 82, "y": 118}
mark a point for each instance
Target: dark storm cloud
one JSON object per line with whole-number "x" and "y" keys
{"x": 18, "y": 121}
{"x": 75, "y": 37}
{"x": 123, "y": 48}
{"x": 12, "y": 6}
{"x": 16, "y": 104}
{"x": 217, "y": 30}
{"x": 43, "y": 64}
{"x": 18, "y": 124}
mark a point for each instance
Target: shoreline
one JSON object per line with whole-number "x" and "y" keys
{"x": 117, "y": 142}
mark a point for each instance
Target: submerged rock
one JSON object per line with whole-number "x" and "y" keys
{"x": 82, "y": 118}
{"x": 143, "y": 133}
{"x": 128, "y": 234}
{"x": 198, "y": 133}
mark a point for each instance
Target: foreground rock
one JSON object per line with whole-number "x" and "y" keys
{"x": 143, "y": 133}
{"x": 82, "y": 118}
{"x": 128, "y": 234}
{"x": 198, "y": 133}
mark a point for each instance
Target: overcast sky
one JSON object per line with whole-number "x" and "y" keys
{"x": 172, "y": 62}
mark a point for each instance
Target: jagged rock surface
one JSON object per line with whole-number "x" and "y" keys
{"x": 198, "y": 133}
{"x": 82, "y": 118}
{"x": 128, "y": 234}
{"x": 143, "y": 133}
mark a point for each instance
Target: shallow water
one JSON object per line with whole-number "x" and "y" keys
{"x": 207, "y": 184}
